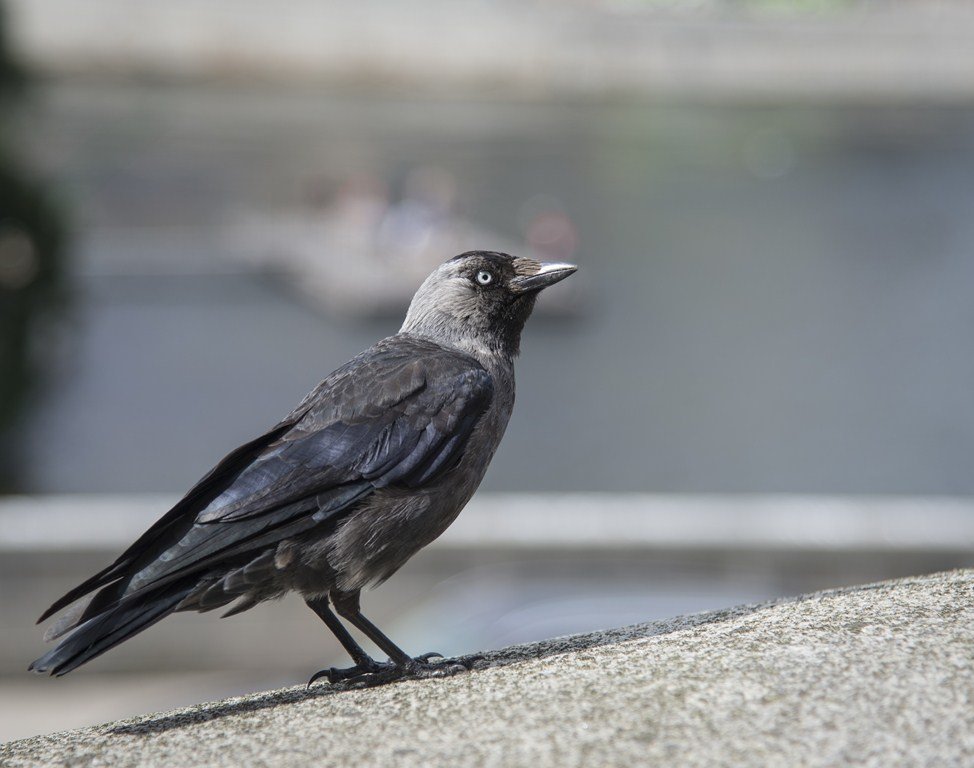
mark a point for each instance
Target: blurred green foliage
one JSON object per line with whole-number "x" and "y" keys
{"x": 32, "y": 243}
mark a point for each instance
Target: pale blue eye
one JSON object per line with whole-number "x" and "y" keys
{"x": 484, "y": 277}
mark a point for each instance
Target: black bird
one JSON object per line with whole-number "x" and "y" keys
{"x": 372, "y": 466}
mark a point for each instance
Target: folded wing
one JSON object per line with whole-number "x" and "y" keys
{"x": 398, "y": 415}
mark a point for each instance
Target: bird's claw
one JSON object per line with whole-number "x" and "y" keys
{"x": 474, "y": 661}
{"x": 377, "y": 673}
{"x": 352, "y": 674}
{"x": 425, "y": 657}
{"x": 320, "y": 674}
{"x": 442, "y": 669}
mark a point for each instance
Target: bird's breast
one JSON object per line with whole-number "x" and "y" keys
{"x": 393, "y": 524}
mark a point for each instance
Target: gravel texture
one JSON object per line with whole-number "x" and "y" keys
{"x": 872, "y": 676}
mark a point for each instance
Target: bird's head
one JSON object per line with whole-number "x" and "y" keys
{"x": 480, "y": 300}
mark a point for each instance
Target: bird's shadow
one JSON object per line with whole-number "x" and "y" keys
{"x": 155, "y": 724}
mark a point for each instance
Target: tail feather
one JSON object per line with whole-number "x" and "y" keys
{"x": 104, "y": 632}
{"x": 100, "y": 579}
{"x": 68, "y": 620}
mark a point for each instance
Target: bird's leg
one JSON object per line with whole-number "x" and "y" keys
{"x": 364, "y": 664}
{"x": 347, "y": 606}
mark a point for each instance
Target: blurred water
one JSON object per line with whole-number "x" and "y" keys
{"x": 778, "y": 298}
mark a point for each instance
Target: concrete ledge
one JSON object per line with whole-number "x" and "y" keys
{"x": 878, "y": 675}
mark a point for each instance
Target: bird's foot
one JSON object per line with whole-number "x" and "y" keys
{"x": 352, "y": 674}
{"x": 380, "y": 672}
{"x": 421, "y": 667}
{"x": 474, "y": 661}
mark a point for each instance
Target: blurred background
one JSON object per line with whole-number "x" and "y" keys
{"x": 759, "y": 383}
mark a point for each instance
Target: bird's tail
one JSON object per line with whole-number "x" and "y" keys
{"x": 121, "y": 621}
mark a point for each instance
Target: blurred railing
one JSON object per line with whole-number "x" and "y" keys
{"x": 570, "y": 522}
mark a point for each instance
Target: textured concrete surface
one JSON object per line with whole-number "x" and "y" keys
{"x": 878, "y": 675}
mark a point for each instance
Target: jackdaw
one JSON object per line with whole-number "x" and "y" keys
{"x": 373, "y": 465}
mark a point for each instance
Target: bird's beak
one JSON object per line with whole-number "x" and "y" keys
{"x": 550, "y": 272}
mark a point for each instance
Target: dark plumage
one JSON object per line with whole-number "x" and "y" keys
{"x": 373, "y": 465}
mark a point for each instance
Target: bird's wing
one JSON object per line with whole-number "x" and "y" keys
{"x": 397, "y": 415}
